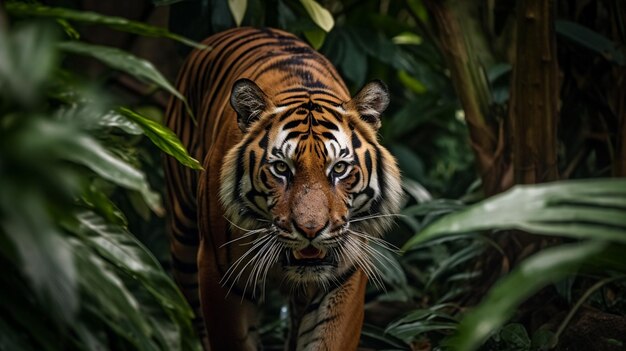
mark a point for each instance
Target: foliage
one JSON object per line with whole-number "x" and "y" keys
{"x": 78, "y": 279}
{"x": 75, "y": 175}
{"x": 591, "y": 209}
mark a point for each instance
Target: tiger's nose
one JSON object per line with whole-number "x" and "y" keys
{"x": 309, "y": 230}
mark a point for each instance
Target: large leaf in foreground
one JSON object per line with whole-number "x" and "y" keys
{"x": 527, "y": 278}
{"x": 69, "y": 144}
{"x": 579, "y": 209}
{"x": 124, "y": 61}
{"x": 168, "y": 310}
{"x": 163, "y": 138}
{"x": 321, "y": 16}
{"x": 122, "y": 24}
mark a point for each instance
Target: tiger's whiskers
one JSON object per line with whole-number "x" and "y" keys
{"x": 374, "y": 216}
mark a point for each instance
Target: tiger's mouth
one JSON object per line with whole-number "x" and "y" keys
{"x": 309, "y": 256}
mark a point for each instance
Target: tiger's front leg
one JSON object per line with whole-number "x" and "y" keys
{"x": 329, "y": 320}
{"x": 230, "y": 320}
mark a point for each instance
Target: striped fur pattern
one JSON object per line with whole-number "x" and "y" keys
{"x": 295, "y": 189}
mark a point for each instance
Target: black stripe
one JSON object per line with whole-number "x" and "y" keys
{"x": 334, "y": 113}
{"x": 286, "y": 114}
{"x": 315, "y": 339}
{"x": 356, "y": 141}
{"x": 188, "y": 286}
{"x": 184, "y": 267}
{"x": 311, "y": 329}
{"x": 328, "y": 125}
{"x": 312, "y": 307}
{"x": 187, "y": 240}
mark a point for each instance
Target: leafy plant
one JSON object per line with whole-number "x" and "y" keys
{"x": 593, "y": 210}
{"x": 74, "y": 277}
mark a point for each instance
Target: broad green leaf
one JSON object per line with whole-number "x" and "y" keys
{"x": 591, "y": 40}
{"x": 126, "y": 62}
{"x": 580, "y": 209}
{"x": 407, "y": 38}
{"x": 45, "y": 258}
{"x": 27, "y": 59}
{"x": 418, "y": 8}
{"x": 111, "y": 299}
{"x": 315, "y": 37}
{"x": 528, "y": 277}
{"x": 354, "y": 61}
{"x": 72, "y": 145}
{"x": 515, "y": 336}
{"x": 118, "y": 246}
{"x": 115, "y": 119}
{"x": 412, "y": 83}
{"x": 416, "y": 190}
{"x": 319, "y": 14}
{"x": 238, "y": 9}
{"x": 21, "y": 9}
{"x": 89, "y": 115}
{"x": 163, "y": 138}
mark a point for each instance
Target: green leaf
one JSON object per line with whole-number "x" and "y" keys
{"x": 116, "y": 119}
{"x": 116, "y": 244}
{"x": 455, "y": 260}
{"x": 420, "y": 321}
{"x": 110, "y": 299}
{"x": 579, "y": 209}
{"x": 126, "y": 62}
{"x": 21, "y": 9}
{"x": 163, "y": 138}
{"x": 27, "y": 59}
{"x": 319, "y": 15}
{"x": 407, "y": 38}
{"x": 386, "y": 262}
{"x": 541, "y": 339}
{"x": 591, "y": 40}
{"x": 528, "y": 277}
{"x": 45, "y": 258}
{"x": 315, "y": 37}
{"x": 515, "y": 337}
{"x": 412, "y": 83}
{"x": 72, "y": 145}
{"x": 238, "y": 9}
{"x": 375, "y": 338}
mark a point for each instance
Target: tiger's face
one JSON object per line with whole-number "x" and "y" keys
{"x": 312, "y": 186}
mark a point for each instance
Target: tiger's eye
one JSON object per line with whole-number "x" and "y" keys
{"x": 281, "y": 167}
{"x": 340, "y": 168}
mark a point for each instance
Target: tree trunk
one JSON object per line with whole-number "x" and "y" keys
{"x": 534, "y": 95}
{"x": 468, "y": 77}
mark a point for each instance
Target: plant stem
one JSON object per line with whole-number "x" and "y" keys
{"x": 576, "y": 307}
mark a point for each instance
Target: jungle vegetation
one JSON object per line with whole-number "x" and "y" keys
{"x": 508, "y": 119}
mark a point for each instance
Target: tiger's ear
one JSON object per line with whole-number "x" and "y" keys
{"x": 249, "y": 101}
{"x": 371, "y": 101}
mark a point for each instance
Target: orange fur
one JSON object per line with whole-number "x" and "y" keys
{"x": 291, "y": 161}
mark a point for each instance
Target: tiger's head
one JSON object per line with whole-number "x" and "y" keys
{"x": 310, "y": 182}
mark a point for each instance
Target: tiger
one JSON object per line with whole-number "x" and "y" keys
{"x": 295, "y": 188}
